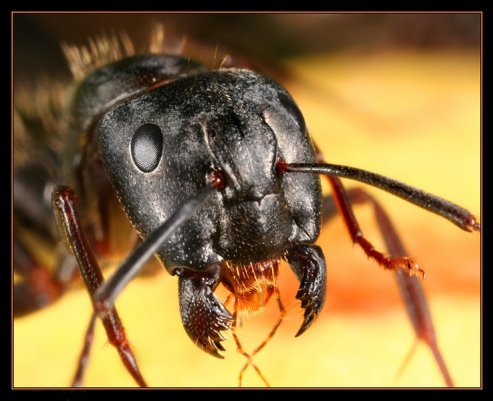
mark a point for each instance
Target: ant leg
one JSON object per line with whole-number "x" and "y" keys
{"x": 39, "y": 285}
{"x": 64, "y": 204}
{"x": 343, "y": 203}
{"x": 84, "y": 355}
{"x": 410, "y": 287}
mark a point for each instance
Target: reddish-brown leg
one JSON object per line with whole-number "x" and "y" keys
{"x": 405, "y": 263}
{"x": 410, "y": 287}
{"x": 78, "y": 379}
{"x": 64, "y": 204}
{"x": 343, "y": 204}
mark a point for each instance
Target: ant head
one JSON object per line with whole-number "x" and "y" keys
{"x": 227, "y": 129}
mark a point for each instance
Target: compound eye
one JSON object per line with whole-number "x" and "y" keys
{"x": 147, "y": 147}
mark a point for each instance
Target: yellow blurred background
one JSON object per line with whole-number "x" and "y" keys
{"x": 412, "y": 115}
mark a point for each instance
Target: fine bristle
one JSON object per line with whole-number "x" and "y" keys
{"x": 108, "y": 48}
{"x": 252, "y": 284}
{"x": 102, "y": 50}
{"x": 40, "y": 120}
{"x": 42, "y": 111}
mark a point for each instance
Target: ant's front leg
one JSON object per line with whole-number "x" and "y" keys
{"x": 64, "y": 200}
{"x": 39, "y": 284}
{"x": 410, "y": 287}
{"x": 411, "y": 290}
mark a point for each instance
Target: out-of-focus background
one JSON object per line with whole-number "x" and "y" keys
{"x": 398, "y": 94}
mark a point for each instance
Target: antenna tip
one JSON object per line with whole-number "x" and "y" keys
{"x": 472, "y": 224}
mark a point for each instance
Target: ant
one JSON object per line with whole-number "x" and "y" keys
{"x": 215, "y": 171}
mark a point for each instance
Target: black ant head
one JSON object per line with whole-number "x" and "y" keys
{"x": 227, "y": 129}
